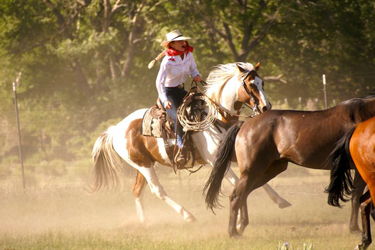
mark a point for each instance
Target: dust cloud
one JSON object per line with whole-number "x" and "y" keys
{"x": 57, "y": 205}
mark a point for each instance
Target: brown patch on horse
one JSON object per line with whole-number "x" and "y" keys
{"x": 143, "y": 150}
{"x": 140, "y": 183}
{"x": 243, "y": 96}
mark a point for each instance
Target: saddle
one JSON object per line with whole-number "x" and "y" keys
{"x": 157, "y": 123}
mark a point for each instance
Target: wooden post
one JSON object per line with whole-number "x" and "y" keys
{"x": 325, "y": 92}
{"x": 15, "y": 84}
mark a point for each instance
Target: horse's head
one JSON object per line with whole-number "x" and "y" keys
{"x": 252, "y": 91}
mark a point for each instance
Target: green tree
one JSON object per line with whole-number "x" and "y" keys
{"x": 85, "y": 61}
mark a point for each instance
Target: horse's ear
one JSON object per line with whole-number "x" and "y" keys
{"x": 240, "y": 68}
{"x": 257, "y": 66}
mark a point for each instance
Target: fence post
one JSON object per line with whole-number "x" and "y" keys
{"x": 15, "y": 84}
{"x": 325, "y": 92}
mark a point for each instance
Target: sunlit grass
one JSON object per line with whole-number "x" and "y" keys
{"x": 57, "y": 213}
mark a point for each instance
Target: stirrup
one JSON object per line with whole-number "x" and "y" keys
{"x": 181, "y": 156}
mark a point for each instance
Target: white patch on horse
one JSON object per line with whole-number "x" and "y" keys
{"x": 120, "y": 141}
{"x": 258, "y": 82}
{"x": 162, "y": 150}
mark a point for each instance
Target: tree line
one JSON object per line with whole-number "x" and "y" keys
{"x": 85, "y": 61}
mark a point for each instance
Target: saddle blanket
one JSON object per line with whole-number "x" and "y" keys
{"x": 153, "y": 120}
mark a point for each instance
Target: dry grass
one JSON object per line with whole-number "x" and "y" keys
{"x": 54, "y": 213}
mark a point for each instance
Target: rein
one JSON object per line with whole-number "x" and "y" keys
{"x": 224, "y": 110}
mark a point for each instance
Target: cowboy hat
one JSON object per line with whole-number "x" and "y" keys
{"x": 174, "y": 35}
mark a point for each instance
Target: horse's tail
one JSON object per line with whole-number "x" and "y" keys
{"x": 220, "y": 167}
{"x": 107, "y": 163}
{"x": 341, "y": 184}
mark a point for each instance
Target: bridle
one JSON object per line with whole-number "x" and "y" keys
{"x": 224, "y": 112}
{"x": 252, "y": 97}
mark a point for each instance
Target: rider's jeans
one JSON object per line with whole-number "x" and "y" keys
{"x": 175, "y": 96}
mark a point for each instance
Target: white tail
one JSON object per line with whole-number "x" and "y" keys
{"x": 107, "y": 163}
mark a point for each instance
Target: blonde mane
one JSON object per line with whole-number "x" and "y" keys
{"x": 221, "y": 74}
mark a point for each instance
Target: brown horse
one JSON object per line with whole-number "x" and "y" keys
{"x": 229, "y": 86}
{"x": 266, "y": 143}
{"x": 355, "y": 149}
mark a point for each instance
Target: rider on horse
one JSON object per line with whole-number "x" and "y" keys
{"x": 175, "y": 67}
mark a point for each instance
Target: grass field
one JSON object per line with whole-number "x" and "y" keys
{"x": 57, "y": 213}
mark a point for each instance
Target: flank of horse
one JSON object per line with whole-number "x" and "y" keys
{"x": 266, "y": 143}
{"x": 355, "y": 150}
{"x": 229, "y": 86}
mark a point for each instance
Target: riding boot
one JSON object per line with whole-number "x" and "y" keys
{"x": 181, "y": 156}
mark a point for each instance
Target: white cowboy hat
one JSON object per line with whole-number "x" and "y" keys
{"x": 174, "y": 36}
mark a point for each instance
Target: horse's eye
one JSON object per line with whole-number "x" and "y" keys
{"x": 253, "y": 86}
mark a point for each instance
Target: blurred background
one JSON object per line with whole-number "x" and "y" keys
{"x": 84, "y": 64}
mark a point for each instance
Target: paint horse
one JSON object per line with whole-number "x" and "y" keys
{"x": 226, "y": 85}
{"x": 355, "y": 150}
{"x": 264, "y": 145}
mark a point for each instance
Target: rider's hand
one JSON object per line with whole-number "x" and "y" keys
{"x": 167, "y": 105}
{"x": 197, "y": 78}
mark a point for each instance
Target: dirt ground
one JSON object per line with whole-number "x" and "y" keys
{"x": 55, "y": 206}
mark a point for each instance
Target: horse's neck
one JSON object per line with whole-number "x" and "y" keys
{"x": 229, "y": 96}
{"x": 208, "y": 141}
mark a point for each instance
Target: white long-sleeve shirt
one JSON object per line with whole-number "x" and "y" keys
{"x": 174, "y": 71}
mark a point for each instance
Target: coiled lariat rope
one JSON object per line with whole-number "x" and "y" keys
{"x": 190, "y": 117}
{"x": 200, "y": 117}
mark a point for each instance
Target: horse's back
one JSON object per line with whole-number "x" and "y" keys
{"x": 302, "y": 137}
{"x": 138, "y": 114}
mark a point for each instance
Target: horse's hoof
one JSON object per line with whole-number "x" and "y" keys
{"x": 284, "y": 204}
{"x": 240, "y": 230}
{"x": 360, "y": 247}
{"x": 355, "y": 231}
{"x": 189, "y": 218}
{"x": 235, "y": 235}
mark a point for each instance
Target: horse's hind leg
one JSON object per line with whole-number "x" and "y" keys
{"x": 243, "y": 220}
{"x": 158, "y": 190}
{"x": 366, "y": 230}
{"x": 359, "y": 186}
{"x": 275, "y": 197}
{"x": 234, "y": 201}
{"x": 276, "y": 168}
{"x": 138, "y": 189}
